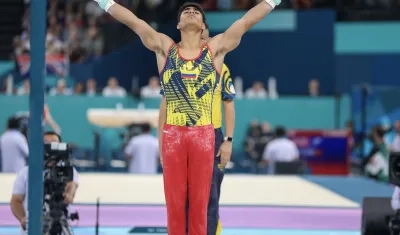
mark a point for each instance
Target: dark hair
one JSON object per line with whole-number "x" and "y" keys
{"x": 146, "y": 128}
{"x": 53, "y": 133}
{"x": 13, "y": 123}
{"x": 280, "y": 131}
{"x": 206, "y": 25}
{"x": 191, "y": 4}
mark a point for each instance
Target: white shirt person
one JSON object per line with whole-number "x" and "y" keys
{"x": 280, "y": 149}
{"x": 142, "y": 153}
{"x": 14, "y": 149}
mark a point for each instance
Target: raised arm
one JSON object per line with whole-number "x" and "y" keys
{"x": 151, "y": 39}
{"x": 230, "y": 39}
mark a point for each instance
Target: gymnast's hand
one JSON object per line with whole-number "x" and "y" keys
{"x": 68, "y": 198}
{"x": 23, "y": 222}
{"x": 225, "y": 153}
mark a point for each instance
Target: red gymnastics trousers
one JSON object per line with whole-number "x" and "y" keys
{"x": 188, "y": 160}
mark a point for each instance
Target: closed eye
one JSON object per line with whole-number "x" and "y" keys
{"x": 189, "y": 10}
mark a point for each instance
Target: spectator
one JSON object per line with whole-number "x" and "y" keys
{"x": 77, "y": 53}
{"x": 53, "y": 45}
{"x": 54, "y": 6}
{"x": 65, "y": 30}
{"x": 25, "y": 88}
{"x": 25, "y": 41}
{"x": 18, "y": 47}
{"x": 61, "y": 89}
{"x": 73, "y": 37}
{"x": 79, "y": 19}
{"x": 313, "y": 88}
{"x": 72, "y": 32}
{"x": 13, "y": 148}
{"x": 113, "y": 89}
{"x": 93, "y": 10}
{"x": 55, "y": 26}
{"x": 254, "y": 146}
{"x": 281, "y": 149}
{"x": 142, "y": 152}
{"x": 91, "y": 89}
{"x": 377, "y": 162}
{"x": 93, "y": 40}
{"x": 152, "y": 90}
{"x": 79, "y": 88}
{"x": 257, "y": 91}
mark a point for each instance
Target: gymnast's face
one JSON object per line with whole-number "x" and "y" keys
{"x": 191, "y": 16}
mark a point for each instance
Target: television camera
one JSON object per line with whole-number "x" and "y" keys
{"x": 19, "y": 122}
{"x": 58, "y": 172}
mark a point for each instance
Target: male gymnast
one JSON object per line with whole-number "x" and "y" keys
{"x": 189, "y": 76}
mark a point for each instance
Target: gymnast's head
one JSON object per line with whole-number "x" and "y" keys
{"x": 191, "y": 17}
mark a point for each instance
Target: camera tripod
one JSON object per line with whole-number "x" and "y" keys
{"x": 56, "y": 227}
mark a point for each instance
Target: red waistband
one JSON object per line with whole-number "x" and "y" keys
{"x": 188, "y": 127}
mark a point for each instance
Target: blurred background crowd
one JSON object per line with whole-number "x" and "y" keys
{"x": 338, "y": 114}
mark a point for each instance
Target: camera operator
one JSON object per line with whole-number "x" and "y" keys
{"x": 19, "y": 200}
{"x": 254, "y": 145}
{"x": 281, "y": 149}
{"x": 377, "y": 162}
{"x": 13, "y": 147}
